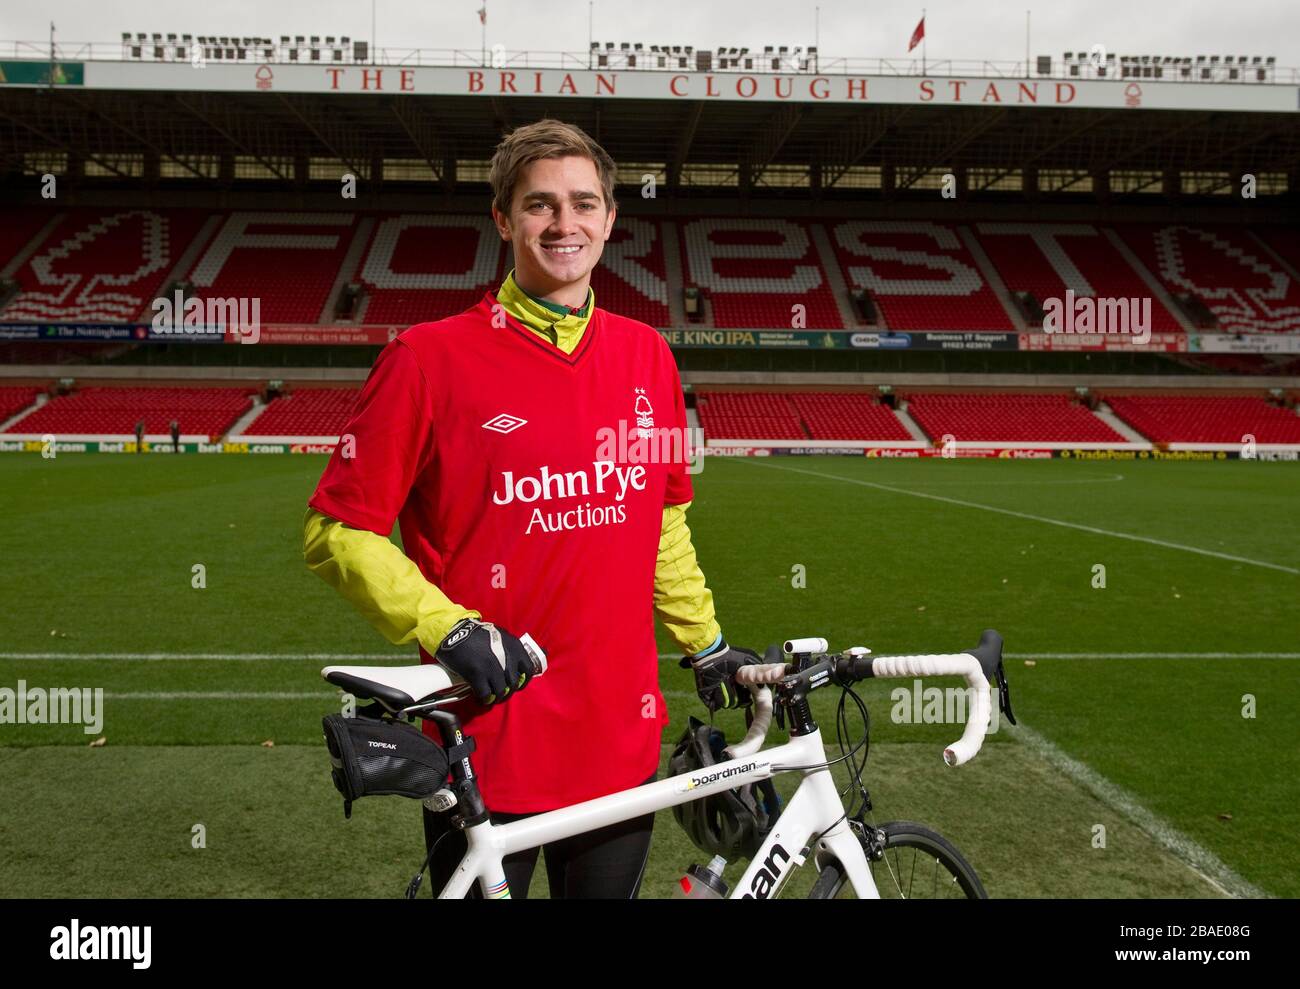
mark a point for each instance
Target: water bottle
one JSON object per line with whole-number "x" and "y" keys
{"x": 700, "y": 883}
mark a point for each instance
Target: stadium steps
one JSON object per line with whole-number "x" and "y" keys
{"x": 911, "y": 426}
{"x": 675, "y": 263}
{"x": 360, "y": 243}
{"x": 1274, "y": 255}
{"x": 186, "y": 261}
{"x": 673, "y": 266}
{"x": 244, "y": 421}
{"x": 1107, "y": 415}
{"x": 1148, "y": 279}
{"x": 39, "y": 400}
{"x": 835, "y": 278}
{"x": 992, "y": 278}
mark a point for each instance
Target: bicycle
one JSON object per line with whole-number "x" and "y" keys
{"x": 848, "y": 853}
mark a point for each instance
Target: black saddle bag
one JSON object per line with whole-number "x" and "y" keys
{"x": 371, "y": 757}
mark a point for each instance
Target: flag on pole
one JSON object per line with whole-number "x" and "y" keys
{"x": 482, "y": 14}
{"x": 918, "y": 35}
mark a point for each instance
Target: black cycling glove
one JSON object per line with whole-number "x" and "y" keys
{"x": 715, "y": 669}
{"x": 491, "y": 660}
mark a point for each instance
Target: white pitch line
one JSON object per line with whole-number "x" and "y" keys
{"x": 1195, "y": 856}
{"x": 1033, "y": 518}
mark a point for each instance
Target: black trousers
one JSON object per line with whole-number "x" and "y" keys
{"x": 604, "y": 864}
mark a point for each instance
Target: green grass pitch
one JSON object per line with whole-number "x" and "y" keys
{"x": 1200, "y": 559}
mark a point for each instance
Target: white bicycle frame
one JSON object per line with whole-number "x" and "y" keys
{"x": 815, "y": 808}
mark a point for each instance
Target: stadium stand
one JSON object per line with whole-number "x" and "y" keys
{"x": 287, "y": 261}
{"x": 632, "y": 277}
{"x": 798, "y": 415}
{"x": 420, "y": 267}
{"x": 112, "y": 411}
{"x": 1225, "y": 269}
{"x": 748, "y": 415}
{"x": 754, "y": 272}
{"x": 306, "y": 412}
{"x": 1195, "y": 419}
{"x": 919, "y": 273}
{"x": 1008, "y": 418}
{"x": 847, "y": 416}
{"x": 1285, "y": 241}
{"x": 20, "y": 226}
{"x": 1046, "y": 259}
{"x": 102, "y": 265}
{"x": 15, "y": 398}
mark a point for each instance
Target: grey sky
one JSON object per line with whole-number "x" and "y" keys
{"x": 956, "y": 29}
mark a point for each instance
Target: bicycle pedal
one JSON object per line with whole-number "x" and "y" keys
{"x": 443, "y": 800}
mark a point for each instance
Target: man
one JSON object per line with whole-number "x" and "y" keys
{"x": 175, "y": 428}
{"x": 481, "y": 433}
{"x": 139, "y": 436}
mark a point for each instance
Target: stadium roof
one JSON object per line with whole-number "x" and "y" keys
{"x": 188, "y": 121}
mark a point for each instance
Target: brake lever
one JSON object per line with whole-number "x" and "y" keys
{"x": 1004, "y": 693}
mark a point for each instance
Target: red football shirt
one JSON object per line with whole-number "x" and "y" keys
{"x": 500, "y": 456}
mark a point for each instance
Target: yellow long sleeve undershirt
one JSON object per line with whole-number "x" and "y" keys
{"x": 389, "y": 591}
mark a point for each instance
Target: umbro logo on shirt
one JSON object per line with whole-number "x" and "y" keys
{"x": 504, "y": 423}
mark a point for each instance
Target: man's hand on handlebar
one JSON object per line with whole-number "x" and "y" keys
{"x": 492, "y": 661}
{"x": 715, "y": 671}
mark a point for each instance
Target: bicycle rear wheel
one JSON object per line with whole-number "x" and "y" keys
{"x": 917, "y": 864}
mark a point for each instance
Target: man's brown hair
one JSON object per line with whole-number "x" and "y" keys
{"x": 548, "y": 138}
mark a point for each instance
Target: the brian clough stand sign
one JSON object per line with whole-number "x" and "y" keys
{"x": 760, "y": 87}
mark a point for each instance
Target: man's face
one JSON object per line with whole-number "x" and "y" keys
{"x": 557, "y": 207}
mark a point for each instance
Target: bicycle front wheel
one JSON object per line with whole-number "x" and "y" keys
{"x": 918, "y": 864}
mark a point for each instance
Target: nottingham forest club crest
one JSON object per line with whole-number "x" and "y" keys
{"x": 645, "y": 415}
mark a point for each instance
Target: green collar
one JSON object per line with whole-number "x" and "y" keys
{"x": 554, "y": 307}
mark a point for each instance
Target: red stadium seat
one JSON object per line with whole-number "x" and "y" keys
{"x": 1008, "y": 418}
{"x": 919, "y": 274}
{"x": 287, "y": 261}
{"x": 15, "y": 398}
{"x": 756, "y": 271}
{"x": 1046, "y": 259}
{"x": 1226, "y": 269}
{"x": 102, "y": 410}
{"x": 306, "y": 412}
{"x": 1215, "y": 419}
{"x": 102, "y": 266}
{"x": 797, "y": 416}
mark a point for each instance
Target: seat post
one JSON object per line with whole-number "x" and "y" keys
{"x": 464, "y": 784}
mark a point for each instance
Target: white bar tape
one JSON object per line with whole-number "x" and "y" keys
{"x": 760, "y": 673}
{"x": 955, "y": 664}
{"x": 753, "y": 739}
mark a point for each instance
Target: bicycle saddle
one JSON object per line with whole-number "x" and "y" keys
{"x": 395, "y": 687}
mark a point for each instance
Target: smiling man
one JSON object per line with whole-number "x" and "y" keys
{"x": 479, "y": 434}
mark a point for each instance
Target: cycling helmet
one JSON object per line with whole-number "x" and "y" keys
{"x": 731, "y": 823}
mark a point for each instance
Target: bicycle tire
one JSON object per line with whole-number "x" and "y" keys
{"x": 951, "y": 876}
